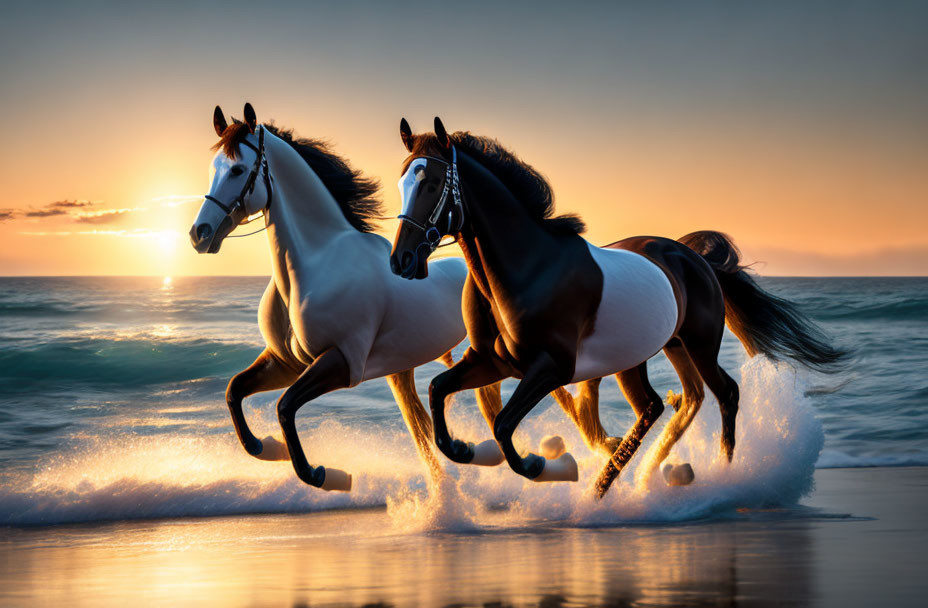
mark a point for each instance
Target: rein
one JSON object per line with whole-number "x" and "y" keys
{"x": 237, "y": 206}
{"x": 241, "y": 236}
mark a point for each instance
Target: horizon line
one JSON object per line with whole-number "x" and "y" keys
{"x": 200, "y": 276}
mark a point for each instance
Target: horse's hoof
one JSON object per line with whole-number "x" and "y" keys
{"x": 336, "y": 480}
{"x": 678, "y": 474}
{"x": 460, "y": 452}
{"x": 272, "y": 449}
{"x": 487, "y": 454}
{"x": 563, "y": 468}
{"x": 552, "y": 446}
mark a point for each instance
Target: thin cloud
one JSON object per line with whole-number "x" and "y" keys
{"x": 46, "y": 212}
{"x": 75, "y": 204}
{"x": 53, "y": 209}
{"x": 131, "y": 234}
{"x": 104, "y": 216}
{"x": 79, "y": 210}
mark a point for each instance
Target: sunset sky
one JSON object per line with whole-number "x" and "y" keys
{"x": 799, "y": 128}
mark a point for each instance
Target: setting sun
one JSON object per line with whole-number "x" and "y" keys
{"x": 167, "y": 241}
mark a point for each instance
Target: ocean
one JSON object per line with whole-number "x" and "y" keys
{"x": 112, "y": 408}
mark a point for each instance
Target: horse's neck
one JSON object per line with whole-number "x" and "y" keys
{"x": 303, "y": 217}
{"x": 500, "y": 241}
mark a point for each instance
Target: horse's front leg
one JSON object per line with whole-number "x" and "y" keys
{"x": 403, "y": 385}
{"x": 474, "y": 370}
{"x": 265, "y": 374}
{"x": 489, "y": 401}
{"x": 541, "y": 377}
{"x": 328, "y": 372}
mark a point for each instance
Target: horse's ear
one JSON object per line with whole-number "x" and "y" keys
{"x": 250, "y": 119}
{"x": 443, "y": 138}
{"x": 406, "y": 134}
{"x": 219, "y": 121}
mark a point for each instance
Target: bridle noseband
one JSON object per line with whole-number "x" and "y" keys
{"x": 453, "y": 184}
{"x": 235, "y": 211}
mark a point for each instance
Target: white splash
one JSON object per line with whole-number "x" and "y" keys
{"x": 778, "y": 443}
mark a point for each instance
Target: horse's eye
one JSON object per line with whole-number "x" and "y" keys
{"x": 237, "y": 170}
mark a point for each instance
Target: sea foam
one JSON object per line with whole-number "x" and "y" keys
{"x": 114, "y": 478}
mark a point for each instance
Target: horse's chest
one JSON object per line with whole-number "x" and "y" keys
{"x": 636, "y": 317}
{"x": 508, "y": 337}
{"x": 313, "y": 327}
{"x": 277, "y": 329}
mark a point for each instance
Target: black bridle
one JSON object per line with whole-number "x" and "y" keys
{"x": 236, "y": 211}
{"x": 429, "y": 229}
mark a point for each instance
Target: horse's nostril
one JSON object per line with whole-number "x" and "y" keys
{"x": 406, "y": 259}
{"x": 394, "y": 265}
{"x": 203, "y": 231}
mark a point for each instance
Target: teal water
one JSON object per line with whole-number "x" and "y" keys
{"x": 107, "y": 379}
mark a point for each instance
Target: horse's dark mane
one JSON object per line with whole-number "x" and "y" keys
{"x": 354, "y": 193}
{"x": 526, "y": 184}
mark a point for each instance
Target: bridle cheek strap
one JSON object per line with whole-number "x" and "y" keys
{"x": 237, "y": 206}
{"x": 453, "y": 186}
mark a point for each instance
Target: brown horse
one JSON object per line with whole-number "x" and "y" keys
{"x": 544, "y": 305}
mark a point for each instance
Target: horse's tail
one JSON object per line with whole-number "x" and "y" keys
{"x": 763, "y": 322}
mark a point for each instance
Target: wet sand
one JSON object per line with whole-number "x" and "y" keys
{"x": 858, "y": 540}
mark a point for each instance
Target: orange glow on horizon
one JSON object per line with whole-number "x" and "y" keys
{"x": 820, "y": 214}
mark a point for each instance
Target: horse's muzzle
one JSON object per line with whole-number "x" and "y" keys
{"x": 202, "y": 239}
{"x": 409, "y": 264}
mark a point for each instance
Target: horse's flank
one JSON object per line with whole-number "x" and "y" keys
{"x": 636, "y": 316}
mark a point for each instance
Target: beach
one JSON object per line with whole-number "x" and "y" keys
{"x": 857, "y": 540}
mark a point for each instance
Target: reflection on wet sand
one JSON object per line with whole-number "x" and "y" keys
{"x": 352, "y": 558}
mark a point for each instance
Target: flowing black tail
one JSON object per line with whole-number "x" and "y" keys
{"x": 762, "y": 321}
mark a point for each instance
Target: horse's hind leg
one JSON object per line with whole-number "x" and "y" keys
{"x": 265, "y": 374}
{"x": 687, "y": 407}
{"x": 722, "y": 386}
{"x": 648, "y": 406}
{"x": 417, "y": 419}
{"x": 584, "y": 411}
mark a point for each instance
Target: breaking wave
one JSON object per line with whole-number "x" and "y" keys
{"x": 120, "y": 477}
{"x": 137, "y": 359}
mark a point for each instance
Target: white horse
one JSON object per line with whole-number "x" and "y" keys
{"x": 333, "y": 314}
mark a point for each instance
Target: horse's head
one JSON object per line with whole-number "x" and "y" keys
{"x": 240, "y": 181}
{"x": 431, "y": 198}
